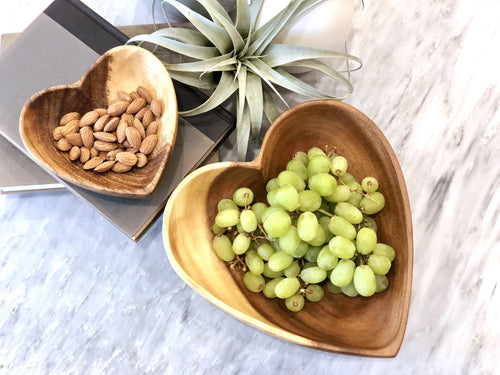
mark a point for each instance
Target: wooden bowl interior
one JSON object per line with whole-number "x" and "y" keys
{"x": 122, "y": 68}
{"x": 366, "y": 326}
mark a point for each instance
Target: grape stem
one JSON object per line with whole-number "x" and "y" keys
{"x": 325, "y": 212}
{"x": 264, "y": 232}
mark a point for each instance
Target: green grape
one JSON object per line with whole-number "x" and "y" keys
{"x": 314, "y": 293}
{"x": 364, "y": 281}
{"x": 292, "y": 270}
{"x": 268, "y": 272}
{"x": 386, "y": 250}
{"x": 254, "y": 283}
{"x": 239, "y": 228}
{"x": 291, "y": 178}
{"x": 290, "y": 241}
{"x": 369, "y": 184}
{"x": 356, "y": 195}
{"x": 301, "y": 250}
{"x": 312, "y": 253}
{"x": 314, "y": 151}
{"x": 243, "y": 196}
{"x": 326, "y": 259}
{"x": 302, "y": 156}
{"x": 324, "y": 221}
{"x": 241, "y": 243}
{"x": 309, "y": 264}
{"x": 223, "y": 248}
{"x": 226, "y": 204}
{"x": 380, "y": 264}
{"x": 342, "y": 193}
{"x": 279, "y": 261}
{"x": 339, "y": 165}
{"x": 341, "y": 227}
{"x": 333, "y": 288}
{"x": 366, "y": 241}
{"x": 372, "y": 203}
{"x": 382, "y": 283}
{"x": 277, "y": 224}
{"x": 313, "y": 275}
{"x": 270, "y": 210}
{"x": 248, "y": 220}
{"x": 271, "y": 197}
{"x": 227, "y": 218}
{"x": 295, "y": 303}
{"x": 254, "y": 262}
{"x": 346, "y": 178}
{"x": 343, "y": 273}
{"x": 309, "y": 200}
{"x": 272, "y": 184}
{"x": 218, "y": 230}
{"x": 265, "y": 251}
{"x": 307, "y": 226}
{"x": 349, "y": 290}
{"x": 320, "y": 237}
{"x": 287, "y": 287}
{"x": 369, "y": 222}
{"x": 258, "y": 209}
{"x": 287, "y": 197}
{"x": 323, "y": 183}
{"x": 298, "y": 167}
{"x": 342, "y": 247}
{"x": 269, "y": 287}
{"x": 318, "y": 164}
{"x": 349, "y": 212}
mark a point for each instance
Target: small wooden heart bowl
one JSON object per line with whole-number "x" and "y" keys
{"x": 121, "y": 68}
{"x": 372, "y": 326}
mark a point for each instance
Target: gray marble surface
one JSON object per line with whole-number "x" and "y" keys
{"x": 78, "y": 297}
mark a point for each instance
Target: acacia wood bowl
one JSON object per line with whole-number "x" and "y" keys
{"x": 121, "y": 68}
{"x": 372, "y": 326}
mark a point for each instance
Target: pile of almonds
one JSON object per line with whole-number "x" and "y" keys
{"x": 117, "y": 138}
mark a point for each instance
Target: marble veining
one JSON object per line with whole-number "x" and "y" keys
{"x": 78, "y": 297}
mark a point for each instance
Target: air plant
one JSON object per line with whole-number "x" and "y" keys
{"x": 234, "y": 57}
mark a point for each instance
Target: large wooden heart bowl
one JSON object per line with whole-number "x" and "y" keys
{"x": 372, "y": 326}
{"x": 121, "y": 68}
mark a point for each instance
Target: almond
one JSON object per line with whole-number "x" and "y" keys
{"x": 126, "y": 158}
{"x": 57, "y": 133}
{"x": 156, "y": 107}
{"x": 142, "y": 159}
{"x": 70, "y": 127}
{"x": 87, "y": 136}
{"x": 124, "y": 96}
{"x": 89, "y": 118}
{"x": 69, "y": 117}
{"x": 74, "y": 153}
{"x": 121, "y": 168}
{"x": 144, "y": 93}
{"x": 134, "y": 95}
{"x": 111, "y": 155}
{"x": 128, "y": 118}
{"x": 75, "y": 139}
{"x": 133, "y": 137}
{"x": 148, "y": 144}
{"x": 152, "y": 128}
{"x": 148, "y": 118}
{"x": 101, "y": 111}
{"x": 112, "y": 124}
{"x": 132, "y": 150}
{"x": 120, "y": 131}
{"x": 93, "y": 152}
{"x": 92, "y": 163}
{"x": 136, "y": 105}
{"x": 84, "y": 154}
{"x": 140, "y": 115}
{"x": 104, "y": 167}
{"x": 126, "y": 144}
{"x": 116, "y": 109}
{"x": 64, "y": 145}
{"x": 101, "y": 123}
{"x": 106, "y": 137}
{"x": 138, "y": 125}
{"x": 104, "y": 146}
{"x": 102, "y": 154}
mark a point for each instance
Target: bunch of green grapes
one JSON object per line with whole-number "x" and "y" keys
{"x": 316, "y": 229}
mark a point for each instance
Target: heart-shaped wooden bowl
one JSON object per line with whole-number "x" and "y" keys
{"x": 372, "y": 326}
{"x": 121, "y": 68}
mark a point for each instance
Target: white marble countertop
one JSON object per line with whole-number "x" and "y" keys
{"x": 79, "y": 297}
